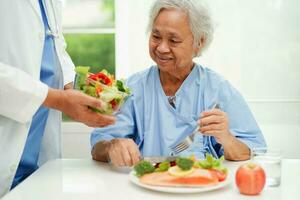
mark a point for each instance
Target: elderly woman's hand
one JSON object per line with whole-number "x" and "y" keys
{"x": 123, "y": 152}
{"x": 215, "y": 123}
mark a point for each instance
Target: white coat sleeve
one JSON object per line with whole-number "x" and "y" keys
{"x": 20, "y": 94}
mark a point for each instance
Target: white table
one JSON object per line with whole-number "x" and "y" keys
{"x": 88, "y": 180}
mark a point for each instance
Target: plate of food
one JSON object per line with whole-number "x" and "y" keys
{"x": 185, "y": 175}
{"x": 102, "y": 85}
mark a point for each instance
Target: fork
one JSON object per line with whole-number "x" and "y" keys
{"x": 185, "y": 144}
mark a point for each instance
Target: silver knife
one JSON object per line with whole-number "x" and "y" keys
{"x": 159, "y": 159}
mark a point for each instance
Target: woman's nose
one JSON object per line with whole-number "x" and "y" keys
{"x": 163, "y": 47}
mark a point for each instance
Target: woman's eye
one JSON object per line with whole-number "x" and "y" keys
{"x": 174, "y": 41}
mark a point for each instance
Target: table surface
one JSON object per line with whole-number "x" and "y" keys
{"x": 87, "y": 179}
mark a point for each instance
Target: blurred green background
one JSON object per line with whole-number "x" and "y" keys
{"x": 95, "y": 50}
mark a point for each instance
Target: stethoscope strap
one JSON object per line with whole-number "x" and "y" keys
{"x": 51, "y": 31}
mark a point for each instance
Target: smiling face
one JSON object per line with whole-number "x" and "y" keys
{"x": 171, "y": 42}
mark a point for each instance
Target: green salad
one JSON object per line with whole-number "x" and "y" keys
{"x": 102, "y": 85}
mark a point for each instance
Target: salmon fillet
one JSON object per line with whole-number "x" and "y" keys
{"x": 199, "y": 177}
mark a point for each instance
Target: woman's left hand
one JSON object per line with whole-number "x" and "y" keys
{"x": 215, "y": 123}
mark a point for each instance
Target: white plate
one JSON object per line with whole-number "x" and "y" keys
{"x": 170, "y": 189}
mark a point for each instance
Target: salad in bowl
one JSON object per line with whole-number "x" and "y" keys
{"x": 102, "y": 85}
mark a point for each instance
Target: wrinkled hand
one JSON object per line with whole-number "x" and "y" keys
{"x": 215, "y": 123}
{"x": 123, "y": 152}
{"x": 76, "y": 105}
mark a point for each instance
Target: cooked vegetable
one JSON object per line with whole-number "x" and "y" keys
{"x": 184, "y": 163}
{"x": 162, "y": 167}
{"x": 143, "y": 167}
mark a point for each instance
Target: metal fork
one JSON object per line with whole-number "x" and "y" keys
{"x": 185, "y": 144}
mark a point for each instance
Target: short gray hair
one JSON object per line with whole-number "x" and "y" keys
{"x": 200, "y": 20}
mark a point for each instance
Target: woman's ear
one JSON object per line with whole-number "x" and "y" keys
{"x": 201, "y": 42}
{"x": 199, "y": 45}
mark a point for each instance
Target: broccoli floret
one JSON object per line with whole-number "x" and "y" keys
{"x": 162, "y": 167}
{"x": 184, "y": 163}
{"x": 143, "y": 167}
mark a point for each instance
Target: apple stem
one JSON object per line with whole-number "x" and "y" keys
{"x": 251, "y": 165}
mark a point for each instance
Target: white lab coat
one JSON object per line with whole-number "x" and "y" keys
{"x": 21, "y": 92}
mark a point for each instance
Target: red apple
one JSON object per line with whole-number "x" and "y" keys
{"x": 250, "y": 178}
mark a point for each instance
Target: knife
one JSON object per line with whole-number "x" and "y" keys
{"x": 159, "y": 159}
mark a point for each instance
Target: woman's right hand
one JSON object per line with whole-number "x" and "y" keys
{"x": 123, "y": 152}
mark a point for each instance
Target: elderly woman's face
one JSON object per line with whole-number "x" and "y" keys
{"x": 171, "y": 41}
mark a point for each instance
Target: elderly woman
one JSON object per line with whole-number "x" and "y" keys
{"x": 169, "y": 100}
